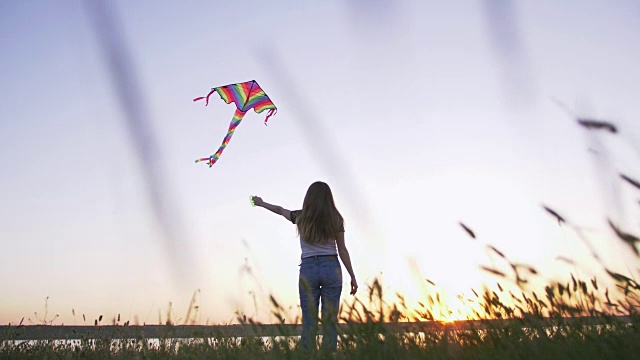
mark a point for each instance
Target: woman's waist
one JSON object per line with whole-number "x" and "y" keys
{"x": 320, "y": 257}
{"x": 325, "y": 248}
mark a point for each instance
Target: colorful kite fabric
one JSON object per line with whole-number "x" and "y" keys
{"x": 247, "y": 95}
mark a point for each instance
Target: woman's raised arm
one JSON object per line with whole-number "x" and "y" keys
{"x": 257, "y": 201}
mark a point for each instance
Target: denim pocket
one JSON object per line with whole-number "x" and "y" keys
{"x": 331, "y": 274}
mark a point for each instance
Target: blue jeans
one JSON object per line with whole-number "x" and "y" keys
{"x": 320, "y": 278}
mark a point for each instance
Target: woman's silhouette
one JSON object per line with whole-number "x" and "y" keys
{"x": 321, "y": 230}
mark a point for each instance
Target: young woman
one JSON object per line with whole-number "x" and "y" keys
{"x": 321, "y": 230}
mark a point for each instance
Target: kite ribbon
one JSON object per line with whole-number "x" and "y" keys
{"x": 207, "y": 97}
{"x": 237, "y": 118}
{"x": 270, "y": 114}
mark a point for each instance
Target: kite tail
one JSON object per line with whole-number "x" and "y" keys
{"x": 205, "y": 159}
{"x": 270, "y": 114}
{"x": 237, "y": 117}
{"x": 205, "y": 97}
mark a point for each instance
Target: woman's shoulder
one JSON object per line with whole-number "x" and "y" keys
{"x": 294, "y": 215}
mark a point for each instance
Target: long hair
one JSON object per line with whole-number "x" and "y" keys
{"x": 319, "y": 220}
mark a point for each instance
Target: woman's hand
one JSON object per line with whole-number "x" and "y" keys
{"x": 354, "y": 286}
{"x": 257, "y": 201}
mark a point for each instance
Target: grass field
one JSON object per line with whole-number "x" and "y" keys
{"x": 540, "y": 331}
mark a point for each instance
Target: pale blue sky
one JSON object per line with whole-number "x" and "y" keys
{"x": 418, "y": 114}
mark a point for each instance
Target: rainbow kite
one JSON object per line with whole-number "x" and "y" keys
{"x": 247, "y": 95}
